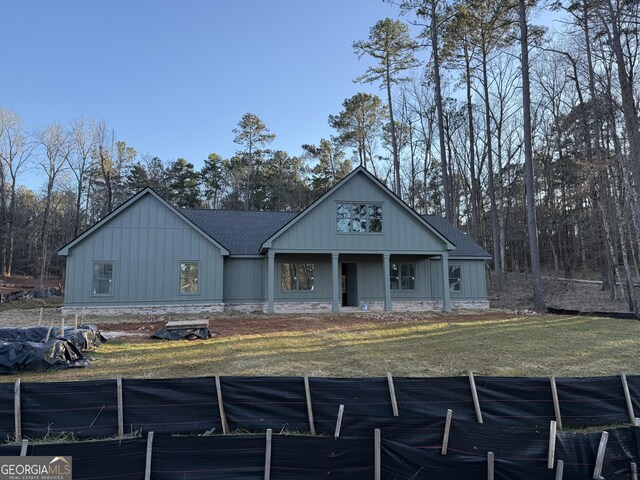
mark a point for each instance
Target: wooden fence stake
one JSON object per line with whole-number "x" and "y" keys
{"x": 267, "y": 456}
{"x": 339, "y": 421}
{"x": 634, "y": 471}
{"x": 447, "y": 427}
{"x": 62, "y": 328}
{"x": 552, "y": 445}
{"x": 556, "y": 402}
{"x": 147, "y": 466}
{"x": 490, "y": 466}
{"x": 40, "y": 317}
{"x": 559, "y": 470}
{"x": 474, "y": 393}
{"x": 392, "y": 394}
{"x": 627, "y": 397}
{"x": 597, "y": 471}
{"x": 377, "y": 475}
{"x": 17, "y": 409}
{"x": 76, "y": 319}
{"x": 223, "y": 416}
{"x": 49, "y": 332}
{"x": 120, "y": 406}
{"x": 82, "y": 319}
{"x": 23, "y": 448}
{"x": 307, "y": 394}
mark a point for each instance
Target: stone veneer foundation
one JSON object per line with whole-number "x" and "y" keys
{"x": 279, "y": 307}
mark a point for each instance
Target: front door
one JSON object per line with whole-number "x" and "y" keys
{"x": 349, "y": 284}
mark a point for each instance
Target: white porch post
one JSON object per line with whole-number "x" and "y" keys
{"x": 271, "y": 272}
{"x": 335, "y": 277}
{"x": 446, "y": 298}
{"x": 387, "y": 282}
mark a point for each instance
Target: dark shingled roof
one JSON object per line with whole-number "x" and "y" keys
{"x": 465, "y": 245}
{"x": 243, "y": 232}
{"x": 240, "y": 232}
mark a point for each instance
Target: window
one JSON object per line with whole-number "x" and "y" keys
{"x": 359, "y": 218}
{"x": 189, "y": 278}
{"x": 403, "y": 276}
{"x": 455, "y": 278}
{"x": 297, "y": 276}
{"x": 102, "y": 278}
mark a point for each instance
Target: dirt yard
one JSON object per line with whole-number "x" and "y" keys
{"x": 515, "y": 299}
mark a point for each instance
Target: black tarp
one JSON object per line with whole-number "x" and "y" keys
{"x": 208, "y": 457}
{"x": 85, "y": 337}
{"x": 258, "y": 403}
{"x": 309, "y": 458}
{"x": 182, "y": 334}
{"x": 172, "y": 405}
{"x": 633, "y": 382}
{"x": 36, "y": 357}
{"x": 86, "y": 409}
{"x": 121, "y": 459}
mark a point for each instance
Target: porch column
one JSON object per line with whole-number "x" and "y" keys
{"x": 446, "y": 299}
{"x": 387, "y": 282}
{"x": 271, "y": 273}
{"x": 335, "y": 283}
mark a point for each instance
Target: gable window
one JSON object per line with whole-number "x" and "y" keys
{"x": 455, "y": 278}
{"x": 359, "y": 218}
{"x": 403, "y": 276}
{"x": 297, "y": 276}
{"x": 102, "y": 278}
{"x": 189, "y": 278}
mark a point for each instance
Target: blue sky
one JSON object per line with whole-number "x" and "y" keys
{"x": 174, "y": 77}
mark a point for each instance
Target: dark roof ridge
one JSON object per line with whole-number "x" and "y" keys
{"x": 238, "y": 211}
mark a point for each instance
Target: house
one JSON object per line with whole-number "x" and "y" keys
{"x": 357, "y": 246}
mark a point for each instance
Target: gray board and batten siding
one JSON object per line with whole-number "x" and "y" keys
{"x": 146, "y": 239}
{"x": 316, "y": 231}
{"x": 146, "y": 243}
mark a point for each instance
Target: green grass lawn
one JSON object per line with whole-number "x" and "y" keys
{"x": 498, "y": 345}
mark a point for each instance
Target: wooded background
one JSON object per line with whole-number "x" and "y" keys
{"x": 447, "y": 134}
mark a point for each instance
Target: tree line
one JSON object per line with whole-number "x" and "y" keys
{"x": 522, "y": 136}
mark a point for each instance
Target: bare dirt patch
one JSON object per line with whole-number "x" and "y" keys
{"x": 570, "y": 295}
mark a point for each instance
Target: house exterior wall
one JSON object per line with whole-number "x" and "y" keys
{"x": 244, "y": 280}
{"x": 317, "y": 229}
{"x": 474, "y": 285}
{"x": 146, "y": 242}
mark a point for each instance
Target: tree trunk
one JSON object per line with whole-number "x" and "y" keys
{"x": 446, "y": 187}
{"x": 495, "y": 227}
{"x": 538, "y": 294}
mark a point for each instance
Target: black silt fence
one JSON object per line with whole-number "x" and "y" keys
{"x": 258, "y": 403}
{"x": 193, "y": 406}
{"x": 303, "y": 457}
{"x": 176, "y": 405}
{"x": 86, "y": 409}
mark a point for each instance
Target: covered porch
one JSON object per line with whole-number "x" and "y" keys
{"x": 338, "y": 281}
